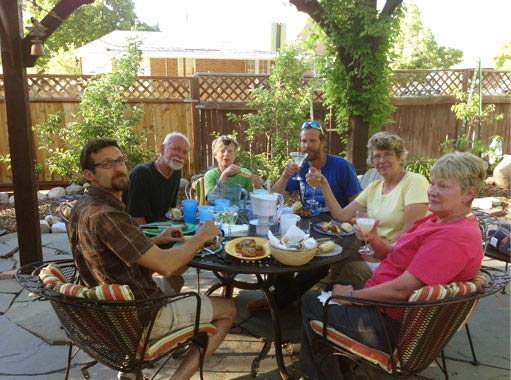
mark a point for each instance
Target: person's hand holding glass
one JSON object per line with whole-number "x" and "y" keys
{"x": 298, "y": 158}
{"x": 365, "y": 224}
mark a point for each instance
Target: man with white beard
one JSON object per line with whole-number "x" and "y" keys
{"x": 154, "y": 185}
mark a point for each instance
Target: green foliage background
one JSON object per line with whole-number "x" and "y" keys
{"x": 103, "y": 113}
{"x": 280, "y": 111}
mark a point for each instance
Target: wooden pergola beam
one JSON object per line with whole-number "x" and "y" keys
{"x": 15, "y": 58}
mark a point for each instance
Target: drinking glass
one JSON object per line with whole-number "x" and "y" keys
{"x": 298, "y": 158}
{"x": 313, "y": 182}
{"x": 366, "y": 224}
{"x": 229, "y": 217}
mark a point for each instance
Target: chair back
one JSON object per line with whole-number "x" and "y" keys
{"x": 106, "y": 322}
{"x": 196, "y": 190}
{"x": 427, "y": 329}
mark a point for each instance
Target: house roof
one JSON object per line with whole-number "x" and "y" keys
{"x": 162, "y": 44}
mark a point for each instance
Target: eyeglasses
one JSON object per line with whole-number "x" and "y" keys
{"x": 110, "y": 164}
{"x": 385, "y": 156}
{"x": 228, "y": 141}
{"x": 312, "y": 124}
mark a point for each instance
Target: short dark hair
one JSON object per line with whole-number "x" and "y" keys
{"x": 91, "y": 147}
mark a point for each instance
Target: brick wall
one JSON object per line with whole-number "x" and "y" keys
{"x": 164, "y": 67}
{"x": 220, "y": 66}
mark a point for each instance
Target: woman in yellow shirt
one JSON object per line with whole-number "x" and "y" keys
{"x": 396, "y": 200}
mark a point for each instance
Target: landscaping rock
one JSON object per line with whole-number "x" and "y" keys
{"x": 45, "y": 226}
{"x": 74, "y": 189}
{"x": 184, "y": 182}
{"x": 42, "y": 196}
{"x": 56, "y": 192}
{"x": 51, "y": 219}
{"x": 4, "y": 198}
{"x": 58, "y": 227}
{"x": 502, "y": 173}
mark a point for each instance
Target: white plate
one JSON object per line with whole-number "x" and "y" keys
{"x": 333, "y": 252}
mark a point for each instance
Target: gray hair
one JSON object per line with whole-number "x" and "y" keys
{"x": 386, "y": 141}
{"x": 175, "y": 134}
{"x": 463, "y": 167}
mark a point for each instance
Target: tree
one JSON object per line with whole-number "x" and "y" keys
{"x": 86, "y": 24}
{"x": 503, "y": 58}
{"x": 357, "y": 40}
{"x": 416, "y": 48}
{"x": 281, "y": 109}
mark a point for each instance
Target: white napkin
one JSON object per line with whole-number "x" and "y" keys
{"x": 237, "y": 230}
{"x": 293, "y": 235}
{"x": 324, "y": 296}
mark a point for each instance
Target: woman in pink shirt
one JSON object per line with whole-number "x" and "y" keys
{"x": 440, "y": 248}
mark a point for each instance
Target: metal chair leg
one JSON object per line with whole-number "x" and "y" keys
{"x": 474, "y": 362}
{"x": 198, "y": 280}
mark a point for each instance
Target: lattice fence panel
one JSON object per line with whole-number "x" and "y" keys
{"x": 426, "y": 82}
{"x": 496, "y": 83}
{"x": 229, "y": 88}
{"x": 160, "y": 88}
{"x": 56, "y": 87}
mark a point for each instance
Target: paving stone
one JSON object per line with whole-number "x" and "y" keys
{"x": 5, "y": 301}
{"x": 8, "y": 247}
{"x": 10, "y": 286}
{"x": 23, "y": 353}
{"x": 7, "y": 264}
{"x": 39, "y": 318}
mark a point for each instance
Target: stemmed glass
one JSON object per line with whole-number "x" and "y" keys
{"x": 298, "y": 158}
{"x": 313, "y": 182}
{"x": 229, "y": 217}
{"x": 366, "y": 223}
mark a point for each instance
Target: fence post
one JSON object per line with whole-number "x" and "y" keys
{"x": 197, "y": 136}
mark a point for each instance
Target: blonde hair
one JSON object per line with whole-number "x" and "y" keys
{"x": 220, "y": 142}
{"x": 386, "y": 141}
{"x": 463, "y": 167}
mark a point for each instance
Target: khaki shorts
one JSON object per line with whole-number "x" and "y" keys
{"x": 181, "y": 314}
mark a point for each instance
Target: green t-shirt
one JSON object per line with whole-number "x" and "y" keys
{"x": 211, "y": 178}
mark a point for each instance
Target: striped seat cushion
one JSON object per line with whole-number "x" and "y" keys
{"x": 426, "y": 293}
{"x": 52, "y": 277}
{"x": 161, "y": 345}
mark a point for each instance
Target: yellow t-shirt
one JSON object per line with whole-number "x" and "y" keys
{"x": 390, "y": 208}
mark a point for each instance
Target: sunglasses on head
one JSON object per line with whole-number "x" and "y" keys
{"x": 312, "y": 124}
{"x": 228, "y": 141}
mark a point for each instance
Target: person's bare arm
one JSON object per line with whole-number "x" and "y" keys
{"x": 398, "y": 289}
{"x": 169, "y": 261}
{"x": 337, "y": 212}
{"x": 280, "y": 185}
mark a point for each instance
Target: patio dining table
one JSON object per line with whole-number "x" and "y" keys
{"x": 226, "y": 267}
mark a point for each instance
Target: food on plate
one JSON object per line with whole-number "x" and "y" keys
{"x": 296, "y": 206}
{"x": 346, "y": 227}
{"x": 304, "y": 211}
{"x": 212, "y": 245}
{"x": 176, "y": 213}
{"x": 249, "y": 248}
{"x": 334, "y": 228}
{"x": 327, "y": 246}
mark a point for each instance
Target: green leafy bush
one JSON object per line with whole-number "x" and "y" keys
{"x": 103, "y": 113}
{"x": 421, "y": 166}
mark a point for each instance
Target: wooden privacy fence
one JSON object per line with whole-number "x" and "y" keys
{"x": 198, "y": 107}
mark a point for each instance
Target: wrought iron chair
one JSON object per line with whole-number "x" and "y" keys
{"x": 114, "y": 333}
{"x": 61, "y": 207}
{"x": 427, "y": 326}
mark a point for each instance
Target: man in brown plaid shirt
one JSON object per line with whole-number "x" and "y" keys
{"x": 110, "y": 248}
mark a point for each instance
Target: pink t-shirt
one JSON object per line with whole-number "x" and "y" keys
{"x": 434, "y": 253}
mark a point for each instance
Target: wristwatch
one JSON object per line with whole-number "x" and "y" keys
{"x": 351, "y": 293}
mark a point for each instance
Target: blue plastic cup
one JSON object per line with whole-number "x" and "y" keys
{"x": 222, "y": 202}
{"x": 190, "y": 210}
{"x": 205, "y": 213}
